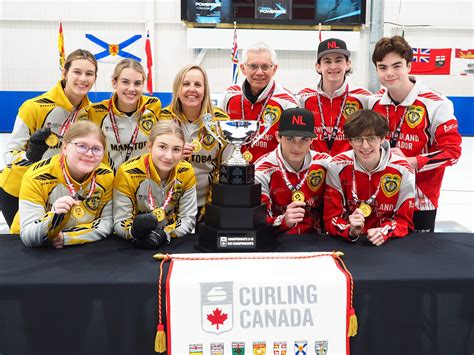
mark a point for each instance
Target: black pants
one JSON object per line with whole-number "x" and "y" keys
{"x": 8, "y": 206}
{"x": 424, "y": 221}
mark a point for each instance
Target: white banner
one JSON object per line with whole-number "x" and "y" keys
{"x": 293, "y": 303}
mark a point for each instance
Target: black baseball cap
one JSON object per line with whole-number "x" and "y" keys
{"x": 297, "y": 122}
{"x": 332, "y": 45}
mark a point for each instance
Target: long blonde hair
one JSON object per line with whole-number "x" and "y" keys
{"x": 166, "y": 127}
{"x": 128, "y": 63}
{"x": 81, "y": 129}
{"x": 176, "y": 106}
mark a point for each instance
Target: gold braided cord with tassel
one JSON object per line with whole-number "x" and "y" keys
{"x": 353, "y": 325}
{"x": 160, "y": 339}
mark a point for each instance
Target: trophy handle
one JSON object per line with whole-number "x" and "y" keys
{"x": 211, "y": 126}
{"x": 267, "y": 123}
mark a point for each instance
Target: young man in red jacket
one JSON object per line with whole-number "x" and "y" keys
{"x": 369, "y": 190}
{"x": 334, "y": 98}
{"x": 292, "y": 176}
{"x": 422, "y": 125}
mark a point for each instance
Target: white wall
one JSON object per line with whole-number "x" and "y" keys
{"x": 28, "y": 41}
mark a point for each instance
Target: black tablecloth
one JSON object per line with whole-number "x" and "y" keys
{"x": 412, "y": 296}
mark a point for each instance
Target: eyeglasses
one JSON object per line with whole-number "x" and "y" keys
{"x": 371, "y": 140}
{"x": 83, "y": 148}
{"x": 263, "y": 67}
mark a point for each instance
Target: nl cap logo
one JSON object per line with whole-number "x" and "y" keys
{"x": 297, "y": 122}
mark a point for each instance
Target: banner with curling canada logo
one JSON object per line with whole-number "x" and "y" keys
{"x": 258, "y": 303}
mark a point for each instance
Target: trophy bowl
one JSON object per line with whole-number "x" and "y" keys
{"x": 237, "y": 133}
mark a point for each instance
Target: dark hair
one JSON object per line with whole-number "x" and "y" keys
{"x": 395, "y": 44}
{"x": 366, "y": 122}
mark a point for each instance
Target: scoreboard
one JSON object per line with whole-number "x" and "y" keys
{"x": 274, "y": 12}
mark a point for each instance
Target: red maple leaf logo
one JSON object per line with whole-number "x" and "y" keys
{"x": 217, "y": 317}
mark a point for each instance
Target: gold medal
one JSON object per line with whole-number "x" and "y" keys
{"x": 366, "y": 209}
{"x": 52, "y": 140}
{"x": 197, "y": 145}
{"x": 78, "y": 212}
{"x": 297, "y": 196}
{"x": 159, "y": 214}
{"x": 247, "y": 156}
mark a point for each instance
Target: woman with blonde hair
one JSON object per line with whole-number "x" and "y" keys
{"x": 191, "y": 101}
{"x": 42, "y": 122}
{"x": 67, "y": 198}
{"x": 155, "y": 194}
{"x": 128, "y": 116}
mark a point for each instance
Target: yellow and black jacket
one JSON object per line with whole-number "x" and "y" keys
{"x": 205, "y": 161}
{"x": 131, "y": 188}
{"x": 42, "y": 185}
{"x": 116, "y": 153}
{"x": 47, "y": 110}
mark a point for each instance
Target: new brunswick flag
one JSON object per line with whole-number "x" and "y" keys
{"x": 430, "y": 61}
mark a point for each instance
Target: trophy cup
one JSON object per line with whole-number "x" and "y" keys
{"x": 235, "y": 220}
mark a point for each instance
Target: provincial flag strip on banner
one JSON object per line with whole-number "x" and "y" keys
{"x": 297, "y": 301}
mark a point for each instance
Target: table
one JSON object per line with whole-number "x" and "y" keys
{"x": 412, "y": 296}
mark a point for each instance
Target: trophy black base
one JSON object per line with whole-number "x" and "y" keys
{"x": 237, "y": 174}
{"x": 235, "y": 217}
{"x": 236, "y": 195}
{"x": 211, "y": 239}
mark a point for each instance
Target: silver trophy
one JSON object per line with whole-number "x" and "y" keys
{"x": 237, "y": 133}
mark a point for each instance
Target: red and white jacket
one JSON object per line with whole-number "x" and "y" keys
{"x": 281, "y": 99}
{"x": 357, "y": 98}
{"x": 277, "y": 196}
{"x": 429, "y": 132}
{"x": 393, "y": 206}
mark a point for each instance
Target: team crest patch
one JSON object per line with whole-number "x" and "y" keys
{"x": 146, "y": 122}
{"x": 274, "y": 112}
{"x": 390, "y": 184}
{"x": 217, "y": 307}
{"x": 208, "y": 140}
{"x": 414, "y": 115}
{"x": 82, "y": 116}
{"x": 92, "y": 203}
{"x": 350, "y": 108}
{"x": 315, "y": 179}
{"x": 238, "y": 348}
{"x": 321, "y": 347}
{"x": 259, "y": 348}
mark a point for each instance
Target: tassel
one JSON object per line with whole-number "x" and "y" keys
{"x": 160, "y": 339}
{"x": 352, "y": 332}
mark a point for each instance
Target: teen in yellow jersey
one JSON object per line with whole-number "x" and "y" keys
{"x": 155, "y": 194}
{"x": 42, "y": 122}
{"x": 128, "y": 116}
{"x": 67, "y": 199}
{"x": 191, "y": 101}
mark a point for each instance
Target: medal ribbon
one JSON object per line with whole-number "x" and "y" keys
{"x": 335, "y": 129}
{"x": 71, "y": 118}
{"x": 262, "y": 109}
{"x": 371, "y": 199}
{"x": 70, "y": 185}
{"x": 290, "y": 186}
{"x": 151, "y": 200}
{"x": 396, "y": 134}
{"x": 116, "y": 131}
